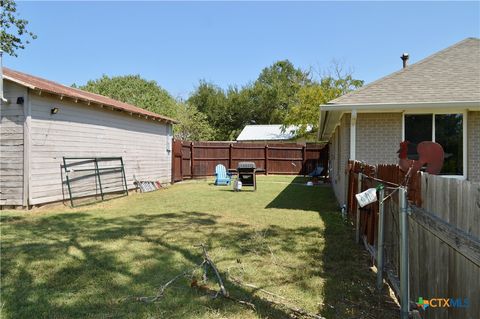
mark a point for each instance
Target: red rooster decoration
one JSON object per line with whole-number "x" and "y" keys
{"x": 429, "y": 154}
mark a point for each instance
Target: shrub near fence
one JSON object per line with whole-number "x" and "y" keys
{"x": 443, "y": 232}
{"x": 198, "y": 159}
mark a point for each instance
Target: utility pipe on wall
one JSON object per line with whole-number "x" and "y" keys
{"x": 3, "y": 99}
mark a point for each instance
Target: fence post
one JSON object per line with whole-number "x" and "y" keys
{"x": 191, "y": 160}
{"x": 404, "y": 280}
{"x": 266, "y": 159}
{"x": 304, "y": 159}
{"x": 381, "y": 196}
{"x": 230, "y": 156}
{"x": 357, "y": 219}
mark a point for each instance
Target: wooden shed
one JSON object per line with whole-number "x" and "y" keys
{"x": 42, "y": 122}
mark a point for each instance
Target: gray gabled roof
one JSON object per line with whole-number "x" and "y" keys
{"x": 451, "y": 75}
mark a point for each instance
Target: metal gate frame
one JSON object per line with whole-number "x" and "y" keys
{"x": 95, "y": 160}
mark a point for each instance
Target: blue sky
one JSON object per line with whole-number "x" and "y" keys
{"x": 179, "y": 43}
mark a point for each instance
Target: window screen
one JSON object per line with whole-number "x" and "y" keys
{"x": 418, "y": 128}
{"x": 449, "y": 134}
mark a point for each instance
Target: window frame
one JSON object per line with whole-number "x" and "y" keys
{"x": 464, "y": 133}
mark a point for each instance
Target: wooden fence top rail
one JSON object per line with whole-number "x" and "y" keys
{"x": 285, "y": 148}
{"x": 285, "y": 158}
{"x": 210, "y": 146}
{"x": 461, "y": 241}
{"x": 211, "y": 159}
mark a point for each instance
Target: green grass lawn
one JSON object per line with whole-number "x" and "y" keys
{"x": 58, "y": 262}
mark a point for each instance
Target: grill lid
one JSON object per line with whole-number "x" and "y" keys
{"x": 246, "y": 165}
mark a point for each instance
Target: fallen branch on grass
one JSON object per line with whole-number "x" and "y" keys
{"x": 206, "y": 263}
{"x": 296, "y": 310}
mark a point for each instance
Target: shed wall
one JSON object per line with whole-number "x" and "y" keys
{"x": 78, "y": 130}
{"x": 11, "y": 145}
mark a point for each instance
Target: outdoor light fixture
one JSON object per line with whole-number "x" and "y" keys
{"x": 54, "y": 110}
{"x": 20, "y": 100}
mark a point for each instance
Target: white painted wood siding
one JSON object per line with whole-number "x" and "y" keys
{"x": 11, "y": 146}
{"x": 78, "y": 130}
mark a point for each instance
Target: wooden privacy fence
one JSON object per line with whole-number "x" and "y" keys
{"x": 443, "y": 234}
{"x": 198, "y": 159}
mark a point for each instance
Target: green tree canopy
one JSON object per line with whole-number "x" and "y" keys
{"x": 149, "y": 95}
{"x": 275, "y": 89}
{"x": 134, "y": 90}
{"x": 193, "y": 124}
{"x": 304, "y": 112}
{"x": 13, "y": 34}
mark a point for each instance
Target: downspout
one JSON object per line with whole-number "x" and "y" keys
{"x": 3, "y": 99}
{"x": 324, "y": 125}
{"x": 353, "y": 134}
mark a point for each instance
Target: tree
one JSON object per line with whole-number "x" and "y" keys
{"x": 193, "y": 124}
{"x": 304, "y": 113}
{"x": 211, "y": 100}
{"x": 149, "y": 95}
{"x": 14, "y": 34}
{"x": 134, "y": 90}
{"x": 275, "y": 89}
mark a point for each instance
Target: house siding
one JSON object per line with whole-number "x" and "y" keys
{"x": 378, "y": 137}
{"x": 473, "y": 146}
{"x": 339, "y": 155}
{"x": 12, "y": 146}
{"x": 78, "y": 130}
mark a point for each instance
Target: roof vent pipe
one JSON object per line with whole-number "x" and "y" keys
{"x": 404, "y": 58}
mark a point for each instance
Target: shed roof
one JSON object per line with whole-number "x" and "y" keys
{"x": 450, "y": 75}
{"x": 271, "y": 132}
{"x": 43, "y": 85}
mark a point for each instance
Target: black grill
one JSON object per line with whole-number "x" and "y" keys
{"x": 247, "y": 174}
{"x": 246, "y": 166}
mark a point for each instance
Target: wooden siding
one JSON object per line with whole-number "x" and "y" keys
{"x": 11, "y": 146}
{"x": 78, "y": 130}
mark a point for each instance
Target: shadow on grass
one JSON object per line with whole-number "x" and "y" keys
{"x": 349, "y": 283}
{"x": 80, "y": 264}
{"x": 298, "y": 196}
{"x": 87, "y": 284}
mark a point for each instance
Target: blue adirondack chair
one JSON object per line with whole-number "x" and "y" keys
{"x": 222, "y": 177}
{"x": 317, "y": 172}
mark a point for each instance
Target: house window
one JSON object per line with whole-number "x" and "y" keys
{"x": 445, "y": 129}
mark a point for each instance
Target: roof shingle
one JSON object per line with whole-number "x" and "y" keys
{"x": 451, "y": 75}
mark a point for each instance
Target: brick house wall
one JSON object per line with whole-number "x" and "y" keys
{"x": 378, "y": 137}
{"x": 473, "y": 146}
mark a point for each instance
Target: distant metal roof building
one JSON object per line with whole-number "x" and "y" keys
{"x": 271, "y": 132}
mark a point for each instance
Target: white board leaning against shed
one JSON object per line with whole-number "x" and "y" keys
{"x": 43, "y": 121}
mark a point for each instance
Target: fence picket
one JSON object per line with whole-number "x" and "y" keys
{"x": 444, "y": 251}
{"x": 198, "y": 159}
